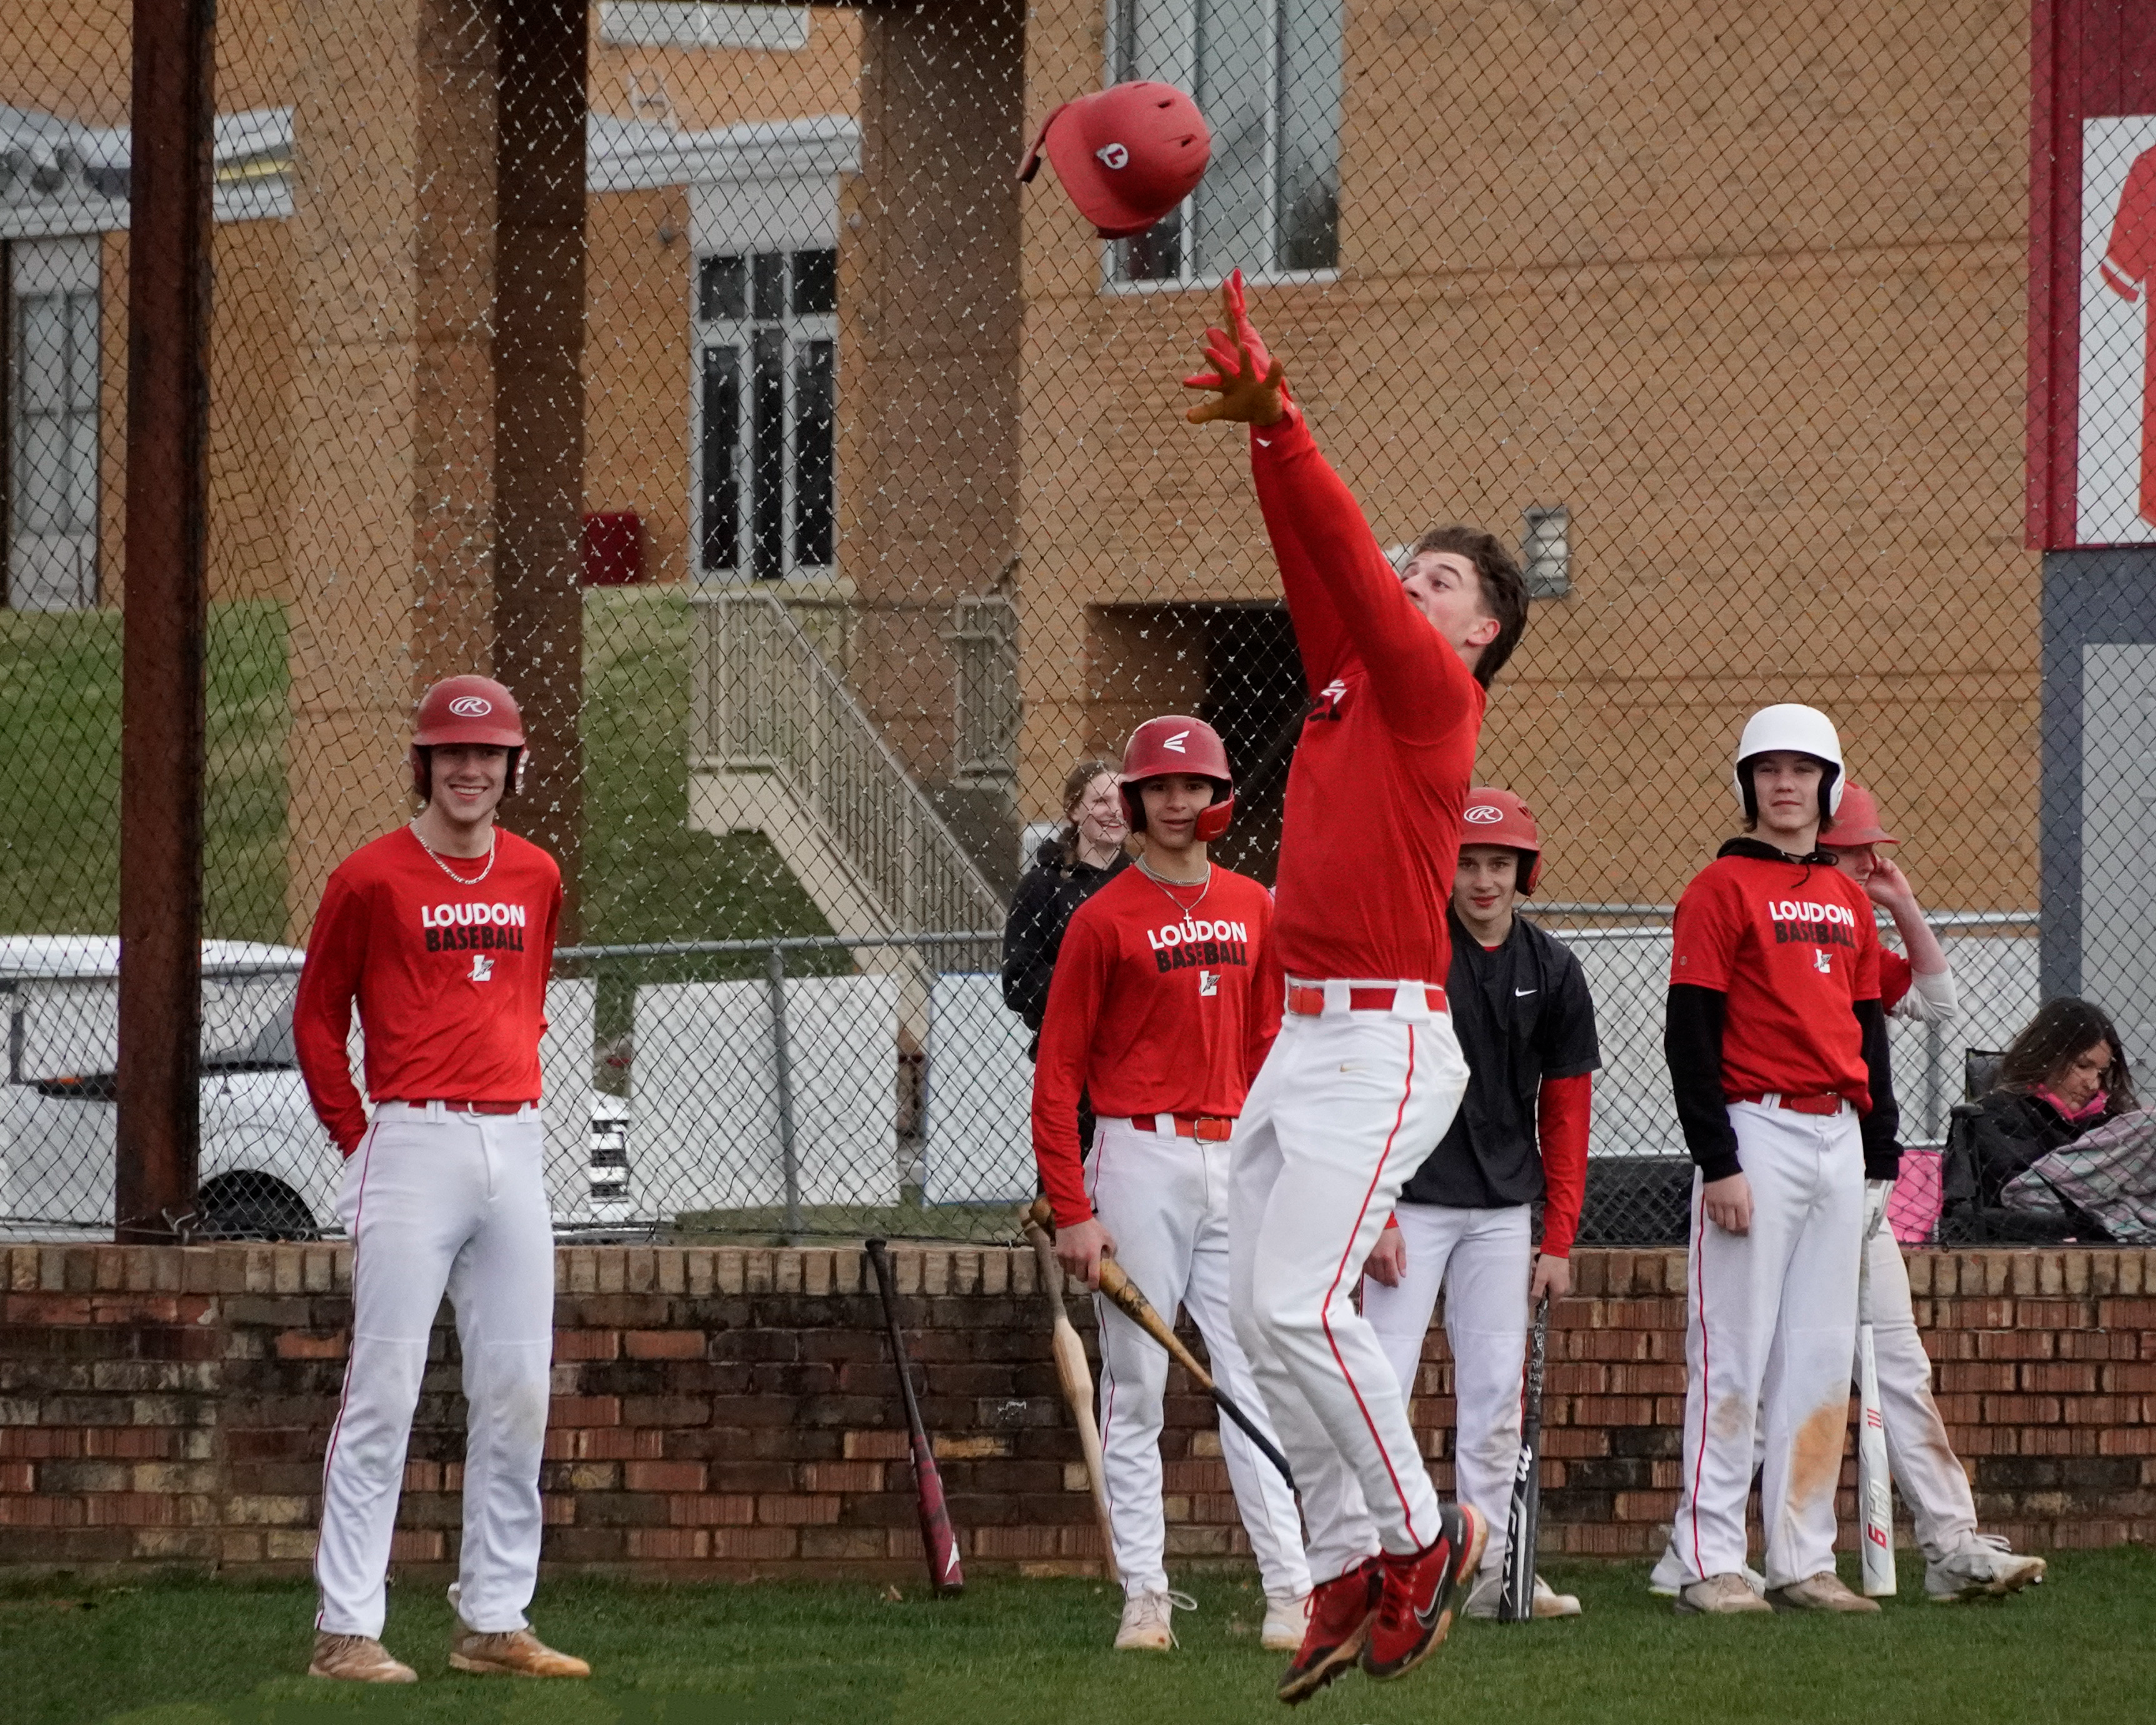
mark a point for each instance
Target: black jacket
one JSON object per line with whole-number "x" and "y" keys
{"x": 1041, "y": 909}
{"x": 1513, "y": 1037}
{"x": 1989, "y": 1143}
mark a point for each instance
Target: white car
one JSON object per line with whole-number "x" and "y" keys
{"x": 268, "y": 1171}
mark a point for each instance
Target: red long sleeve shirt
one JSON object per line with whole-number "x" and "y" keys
{"x": 1381, "y": 772}
{"x": 1152, "y": 1011}
{"x": 451, "y": 978}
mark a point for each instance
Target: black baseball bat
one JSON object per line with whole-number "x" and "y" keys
{"x": 1516, "y": 1604}
{"x": 938, "y": 1541}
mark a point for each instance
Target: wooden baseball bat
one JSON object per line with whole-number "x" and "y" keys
{"x": 940, "y": 1543}
{"x": 1119, "y": 1288}
{"x": 1077, "y": 1378}
{"x": 1523, "y": 1524}
{"x": 1874, "y": 1492}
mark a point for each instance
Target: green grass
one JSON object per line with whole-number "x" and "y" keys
{"x": 200, "y": 1653}
{"x": 59, "y": 784}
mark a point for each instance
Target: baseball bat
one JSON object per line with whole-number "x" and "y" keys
{"x": 1077, "y": 1380}
{"x": 1119, "y": 1288}
{"x": 940, "y": 1543}
{"x": 1874, "y": 1491}
{"x": 1523, "y": 1523}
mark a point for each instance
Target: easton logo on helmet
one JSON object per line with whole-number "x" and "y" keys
{"x": 1113, "y": 156}
{"x": 1483, "y": 814}
{"x": 471, "y": 706}
{"x": 1176, "y": 742}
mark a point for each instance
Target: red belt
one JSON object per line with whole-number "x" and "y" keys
{"x": 1825, "y": 1101}
{"x": 469, "y": 1108}
{"x": 1308, "y": 1002}
{"x": 1206, "y": 1128}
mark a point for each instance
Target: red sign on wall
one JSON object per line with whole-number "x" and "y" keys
{"x": 2092, "y": 273}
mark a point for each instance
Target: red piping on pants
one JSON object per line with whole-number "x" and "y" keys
{"x": 344, "y": 1395}
{"x": 1706, "y": 1379}
{"x": 1325, "y": 1312}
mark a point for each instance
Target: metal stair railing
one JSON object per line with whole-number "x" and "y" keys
{"x": 768, "y": 701}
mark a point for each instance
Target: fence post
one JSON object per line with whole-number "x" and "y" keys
{"x": 163, "y": 716}
{"x": 783, "y": 1070}
{"x": 1935, "y": 1057}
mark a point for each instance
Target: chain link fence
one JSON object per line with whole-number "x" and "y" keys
{"x": 824, "y": 496}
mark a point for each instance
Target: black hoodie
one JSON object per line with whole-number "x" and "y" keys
{"x": 1041, "y": 909}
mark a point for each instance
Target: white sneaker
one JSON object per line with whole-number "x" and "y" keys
{"x": 1488, "y": 1594}
{"x": 1985, "y": 1567}
{"x": 1148, "y": 1621}
{"x": 1287, "y": 1620}
{"x": 1667, "y": 1578}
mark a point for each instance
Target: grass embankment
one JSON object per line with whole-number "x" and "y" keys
{"x": 203, "y": 1654}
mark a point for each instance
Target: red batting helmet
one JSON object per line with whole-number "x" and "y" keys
{"x": 465, "y": 710}
{"x": 1495, "y": 817}
{"x": 1128, "y": 154}
{"x": 1178, "y": 743}
{"x": 1856, "y": 822}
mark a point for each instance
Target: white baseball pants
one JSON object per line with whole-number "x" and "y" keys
{"x": 1348, "y": 1105}
{"x": 1926, "y": 1473}
{"x": 1165, "y": 1201}
{"x": 1770, "y": 1331}
{"x": 436, "y": 1203}
{"x": 1483, "y": 1261}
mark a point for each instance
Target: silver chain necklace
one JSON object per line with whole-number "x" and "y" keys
{"x": 493, "y": 848}
{"x": 1189, "y": 909}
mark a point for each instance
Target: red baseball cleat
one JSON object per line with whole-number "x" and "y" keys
{"x": 1421, "y": 1593}
{"x": 1340, "y": 1613}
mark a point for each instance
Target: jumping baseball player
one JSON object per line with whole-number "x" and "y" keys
{"x": 1366, "y": 1072}
{"x": 441, "y": 934}
{"x": 1165, "y": 996}
{"x": 1525, "y": 1023}
{"x": 1777, "y": 1047}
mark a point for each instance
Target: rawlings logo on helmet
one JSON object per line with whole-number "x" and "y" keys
{"x": 1483, "y": 814}
{"x": 1112, "y": 156}
{"x": 471, "y": 706}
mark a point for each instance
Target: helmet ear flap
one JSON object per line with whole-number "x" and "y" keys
{"x": 513, "y": 778}
{"x": 1133, "y": 807}
{"x": 1530, "y": 871}
{"x": 1213, "y": 819}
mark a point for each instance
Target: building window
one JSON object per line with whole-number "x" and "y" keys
{"x": 766, "y": 415}
{"x": 51, "y": 374}
{"x": 1266, "y": 75}
{"x": 1546, "y": 552}
{"x": 640, "y": 23}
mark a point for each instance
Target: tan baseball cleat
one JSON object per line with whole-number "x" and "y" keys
{"x": 1148, "y": 1624}
{"x": 511, "y": 1653}
{"x": 1826, "y": 1591}
{"x": 356, "y": 1659}
{"x": 1719, "y": 1596}
{"x": 1288, "y": 1621}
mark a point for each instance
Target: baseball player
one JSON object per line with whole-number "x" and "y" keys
{"x": 1777, "y": 1048}
{"x": 1525, "y": 1023}
{"x": 1165, "y": 996}
{"x": 1366, "y": 1072}
{"x": 441, "y": 933}
{"x": 1960, "y": 1564}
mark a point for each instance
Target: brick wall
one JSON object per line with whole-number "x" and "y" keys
{"x": 730, "y": 1412}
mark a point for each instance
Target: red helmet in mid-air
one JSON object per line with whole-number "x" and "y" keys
{"x": 465, "y": 710}
{"x": 1128, "y": 154}
{"x": 1495, "y": 817}
{"x": 1178, "y": 743}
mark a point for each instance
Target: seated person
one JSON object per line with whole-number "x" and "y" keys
{"x": 2065, "y": 1074}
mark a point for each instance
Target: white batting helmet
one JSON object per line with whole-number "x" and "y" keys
{"x": 1800, "y": 730}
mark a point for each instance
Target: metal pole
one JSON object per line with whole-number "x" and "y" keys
{"x": 14, "y": 992}
{"x": 165, "y": 616}
{"x": 1935, "y": 1058}
{"x": 789, "y": 1166}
